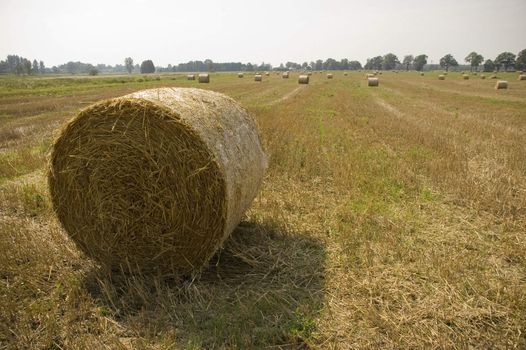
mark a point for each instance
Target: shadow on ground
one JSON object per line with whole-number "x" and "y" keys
{"x": 264, "y": 288}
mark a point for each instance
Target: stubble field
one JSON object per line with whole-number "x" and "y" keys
{"x": 390, "y": 217}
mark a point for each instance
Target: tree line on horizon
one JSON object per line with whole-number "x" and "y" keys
{"x": 18, "y": 65}
{"x": 504, "y": 60}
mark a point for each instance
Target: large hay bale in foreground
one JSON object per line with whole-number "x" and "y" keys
{"x": 258, "y": 77}
{"x": 155, "y": 181}
{"x": 204, "y": 78}
{"x": 372, "y": 81}
{"x": 501, "y": 84}
{"x": 303, "y": 79}
{"x": 522, "y": 77}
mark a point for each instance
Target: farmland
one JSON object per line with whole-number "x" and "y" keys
{"x": 390, "y": 217}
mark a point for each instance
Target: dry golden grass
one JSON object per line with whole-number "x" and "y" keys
{"x": 390, "y": 218}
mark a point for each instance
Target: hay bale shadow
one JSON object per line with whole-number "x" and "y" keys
{"x": 264, "y": 288}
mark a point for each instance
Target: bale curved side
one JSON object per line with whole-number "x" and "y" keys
{"x": 156, "y": 180}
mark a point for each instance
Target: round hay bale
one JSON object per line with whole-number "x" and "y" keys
{"x": 303, "y": 79}
{"x": 522, "y": 77}
{"x": 421, "y": 74}
{"x": 285, "y": 75}
{"x": 204, "y": 78}
{"x": 155, "y": 181}
{"x": 465, "y": 76}
{"x": 345, "y": 74}
{"x": 258, "y": 77}
{"x": 494, "y": 76}
{"x": 501, "y": 84}
{"x": 240, "y": 75}
{"x": 190, "y": 77}
{"x": 441, "y": 77}
{"x": 482, "y": 76}
{"x": 329, "y": 76}
{"x": 372, "y": 81}
{"x": 267, "y": 74}
{"x": 445, "y": 73}
{"x": 309, "y": 73}
{"x": 369, "y": 75}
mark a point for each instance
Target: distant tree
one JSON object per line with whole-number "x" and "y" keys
{"x": 147, "y": 67}
{"x": 419, "y": 62}
{"x": 128, "y": 63}
{"x": 209, "y": 65}
{"x": 330, "y": 64}
{"x": 304, "y": 65}
{"x": 506, "y": 59}
{"x": 344, "y": 63}
{"x": 319, "y": 65}
{"x": 448, "y": 61}
{"x": 474, "y": 59}
{"x": 520, "y": 63}
{"x": 489, "y": 66}
{"x": 408, "y": 60}
{"x": 355, "y": 65}
{"x": 374, "y": 63}
{"x": 26, "y": 66}
{"x": 42, "y": 68}
{"x": 390, "y": 61}
{"x": 34, "y": 70}
{"x": 250, "y": 67}
{"x": 93, "y": 71}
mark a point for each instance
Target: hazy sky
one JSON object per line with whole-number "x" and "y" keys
{"x": 107, "y": 31}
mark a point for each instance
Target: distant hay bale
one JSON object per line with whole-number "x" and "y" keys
{"x": 285, "y": 75}
{"x": 267, "y": 74}
{"x": 522, "y": 77}
{"x": 258, "y": 77}
{"x": 303, "y": 79}
{"x": 309, "y": 73}
{"x": 465, "y": 77}
{"x": 204, "y": 78}
{"x": 421, "y": 74}
{"x": 190, "y": 77}
{"x": 240, "y": 75}
{"x": 329, "y": 76}
{"x": 155, "y": 181}
{"x": 494, "y": 76}
{"x": 372, "y": 82}
{"x": 345, "y": 74}
{"x": 445, "y": 73}
{"x": 482, "y": 76}
{"x": 441, "y": 77}
{"x": 501, "y": 84}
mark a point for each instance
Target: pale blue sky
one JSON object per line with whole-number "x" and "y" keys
{"x": 107, "y": 31}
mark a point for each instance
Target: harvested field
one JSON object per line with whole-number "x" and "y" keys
{"x": 389, "y": 218}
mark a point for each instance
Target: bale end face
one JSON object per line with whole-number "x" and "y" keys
{"x": 501, "y": 84}
{"x": 204, "y": 78}
{"x": 155, "y": 181}
{"x": 303, "y": 79}
{"x": 372, "y": 82}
